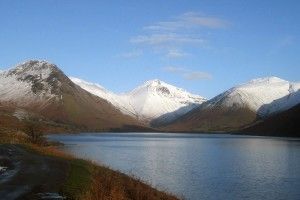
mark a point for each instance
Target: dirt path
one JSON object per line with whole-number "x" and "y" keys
{"x": 28, "y": 175}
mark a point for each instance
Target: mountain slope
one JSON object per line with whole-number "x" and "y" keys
{"x": 117, "y": 100}
{"x": 240, "y": 106}
{"x": 257, "y": 94}
{"x": 284, "y": 124}
{"x": 149, "y": 101}
{"x": 40, "y": 87}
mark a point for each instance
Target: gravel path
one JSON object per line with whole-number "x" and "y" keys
{"x": 27, "y": 175}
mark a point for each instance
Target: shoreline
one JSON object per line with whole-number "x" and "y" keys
{"x": 73, "y": 178}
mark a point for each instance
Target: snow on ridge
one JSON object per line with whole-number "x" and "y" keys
{"x": 265, "y": 80}
{"x": 28, "y": 82}
{"x": 101, "y": 92}
{"x": 155, "y": 98}
{"x": 261, "y": 95}
{"x": 34, "y": 68}
{"x": 83, "y": 82}
{"x": 148, "y": 101}
{"x": 159, "y": 87}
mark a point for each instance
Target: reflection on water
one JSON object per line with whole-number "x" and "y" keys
{"x": 199, "y": 166}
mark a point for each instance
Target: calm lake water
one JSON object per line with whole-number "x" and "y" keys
{"x": 198, "y": 166}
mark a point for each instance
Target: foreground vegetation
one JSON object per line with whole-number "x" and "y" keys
{"x": 84, "y": 179}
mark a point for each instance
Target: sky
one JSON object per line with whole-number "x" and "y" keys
{"x": 203, "y": 46}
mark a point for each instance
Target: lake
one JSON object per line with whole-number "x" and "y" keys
{"x": 198, "y": 166}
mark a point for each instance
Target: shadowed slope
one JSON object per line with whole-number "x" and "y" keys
{"x": 215, "y": 119}
{"x": 286, "y": 123}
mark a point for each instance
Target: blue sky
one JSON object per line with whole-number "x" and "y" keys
{"x": 203, "y": 46}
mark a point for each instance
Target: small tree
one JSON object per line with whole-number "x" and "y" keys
{"x": 33, "y": 131}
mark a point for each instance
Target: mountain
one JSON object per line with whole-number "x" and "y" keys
{"x": 240, "y": 106}
{"x": 285, "y": 124}
{"x": 149, "y": 101}
{"x": 41, "y": 88}
{"x": 117, "y": 100}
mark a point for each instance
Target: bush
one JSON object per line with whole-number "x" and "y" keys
{"x": 33, "y": 131}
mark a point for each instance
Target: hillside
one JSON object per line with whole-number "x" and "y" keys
{"x": 148, "y": 102}
{"x": 284, "y": 124}
{"x": 240, "y": 106}
{"x": 41, "y": 88}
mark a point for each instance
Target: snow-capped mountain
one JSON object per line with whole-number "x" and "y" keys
{"x": 240, "y": 106}
{"x": 119, "y": 101}
{"x": 262, "y": 95}
{"x": 29, "y": 82}
{"x": 41, "y": 88}
{"x": 155, "y": 98}
{"x": 151, "y": 100}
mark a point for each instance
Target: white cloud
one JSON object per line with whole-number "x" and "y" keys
{"x": 195, "y": 19}
{"x": 186, "y": 30}
{"x": 172, "y": 69}
{"x": 197, "y": 75}
{"x": 175, "y": 53}
{"x": 188, "y": 74}
{"x": 286, "y": 41}
{"x": 162, "y": 39}
{"x": 281, "y": 45}
{"x": 132, "y": 54}
{"x": 188, "y": 20}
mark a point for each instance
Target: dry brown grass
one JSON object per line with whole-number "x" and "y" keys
{"x": 12, "y": 137}
{"x": 88, "y": 181}
{"x": 107, "y": 184}
{"x": 111, "y": 185}
{"x": 50, "y": 151}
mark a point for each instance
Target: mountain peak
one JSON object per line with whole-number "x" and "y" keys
{"x": 40, "y": 68}
{"x": 266, "y": 80}
{"x": 154, "y": 82}
{"x": 258, "y": 95}
{"x": 152, "y": 99}
{"x": 44, "y": 78}
{"x": 35, "y": 65}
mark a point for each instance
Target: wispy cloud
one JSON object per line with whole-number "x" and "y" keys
{"x": 176, "y": 53}
{"x": 172, "y": 69}
{"x": 162, "y": 39}
{"x": 131, "y": 54}
{"x": 188, "y": 74}
{"x": 281, "y": 44}
{"x": 185, "y": 30}
{"x": 286, "y": 41}
{"x": 188, "y": 20}
{"x": 196, "y": 75}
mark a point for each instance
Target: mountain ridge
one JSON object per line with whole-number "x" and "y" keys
{"x": 42, "y": 88}
{"x": 239, "y": 106}
{"x": 148, "y": 101}
{"x": 285, "y": 123}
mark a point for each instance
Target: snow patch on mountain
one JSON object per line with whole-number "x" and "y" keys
{"x": 118, "y": 101}
{"x": 28, "y": 82}
{"x": 152, "y": 99}
{"x": 156, "y": 98}
{"x": 260, "y": 95}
